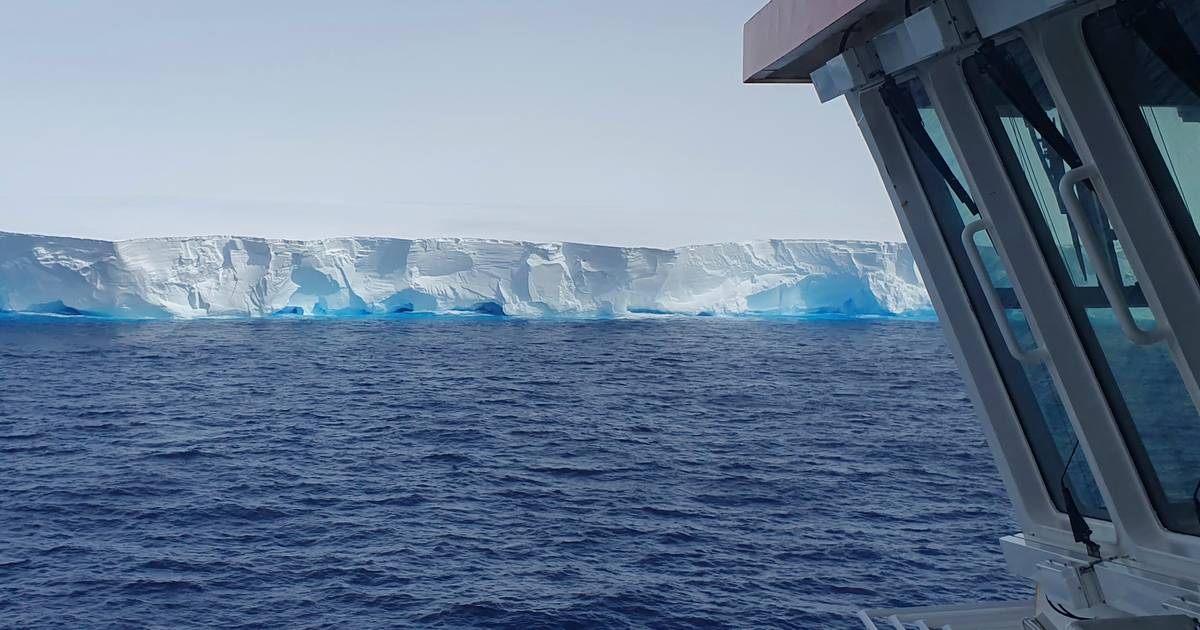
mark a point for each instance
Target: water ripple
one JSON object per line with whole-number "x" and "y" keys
{"x": 466, "y": 472}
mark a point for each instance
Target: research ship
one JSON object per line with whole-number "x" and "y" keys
{"x": 1043, "y": 157}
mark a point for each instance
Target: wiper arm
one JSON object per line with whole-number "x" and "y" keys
{"x": 1003, "y": 71}
{"x": 1007, "y": 76}
{"x": 1158, "y": 27}
{"x": 904, "y": 110}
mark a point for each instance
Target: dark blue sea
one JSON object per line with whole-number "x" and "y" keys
{"x": 479, "y": 472}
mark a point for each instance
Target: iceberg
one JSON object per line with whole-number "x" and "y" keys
{"x": 224, "y": 276}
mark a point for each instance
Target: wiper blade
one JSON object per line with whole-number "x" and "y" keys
{"x": 900, "y": 102}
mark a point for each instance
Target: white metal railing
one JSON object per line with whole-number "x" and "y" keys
{"x": 975, "y": 616}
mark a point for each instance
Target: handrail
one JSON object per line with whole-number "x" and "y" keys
{"x": 868, "y": 623}
{"x": 1111, "y": 285}
{"x": 995, "y": 304}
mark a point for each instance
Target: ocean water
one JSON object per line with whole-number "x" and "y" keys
{"x": 461, "y": 472}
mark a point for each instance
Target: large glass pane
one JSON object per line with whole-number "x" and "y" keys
{"x": 1147, "y": 54}
{"x": 1042, "y": 415}
{"x": 1143, "y": 386}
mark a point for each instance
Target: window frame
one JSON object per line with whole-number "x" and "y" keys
{"x": 1000, "y": 206}
{"x": 1019, "y": 381}
{"x": 1159, "y": 175}
{"x": 1035, "y": 511}
{"x": 1058, "y": 43}
{"x": 1152, "y": 246}
{"x": 1154, "y": 252}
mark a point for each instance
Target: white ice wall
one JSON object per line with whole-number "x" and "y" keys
{"x": 230, "y": 276}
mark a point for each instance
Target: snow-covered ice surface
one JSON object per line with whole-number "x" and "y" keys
{"x": 221, "y": 276}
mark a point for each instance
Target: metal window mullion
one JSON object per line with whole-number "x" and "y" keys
{"x": 1018, "y": 469}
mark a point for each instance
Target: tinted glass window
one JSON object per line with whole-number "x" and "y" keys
{"x": 1144, "y": 388}
{"x": 1042, "y": 415}
{"x": 1148, "y": 58}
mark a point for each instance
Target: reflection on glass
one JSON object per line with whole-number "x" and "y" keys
{"x": 1142, "y": 57}
{"x": 1042, "y": 415}
{"x": 1169, "y": 432}
{"x": 1082, "y": 485}
{"x": 1143, "y": 386}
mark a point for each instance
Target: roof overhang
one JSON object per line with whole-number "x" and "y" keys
{"x": 788, "y": 39}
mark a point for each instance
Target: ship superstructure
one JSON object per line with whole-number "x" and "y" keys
{"x": 1043, "y": 157}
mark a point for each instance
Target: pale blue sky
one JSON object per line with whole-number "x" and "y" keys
{"x": 622, "y": 122}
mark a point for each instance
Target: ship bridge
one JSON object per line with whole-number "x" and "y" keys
{"x": 1043, "y": 157}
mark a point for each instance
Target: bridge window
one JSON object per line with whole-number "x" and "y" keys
{"x": 1147, "y": 54}
{"x": 1144, "y": 389}
{"x": 1046, "y": 426}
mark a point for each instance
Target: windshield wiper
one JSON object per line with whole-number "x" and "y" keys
{"x": 1080, "y": 530}
{"x": 1003, "y": 71}
{"x": 1005, "y": 74}
{"x": 1158, "y": 27}
{"x": 1008, "y": 78}
{"x": 900, "y": 102}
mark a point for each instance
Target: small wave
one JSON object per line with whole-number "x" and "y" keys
{"x": 20, "y": 436}
{"x": 452, "y": 458}
{"x": 252, "y": 513}
{"x": 570, "y": 471}
{"x": 184, "y": 454}
{"x": 404, "y": 500}
{"x": 671, "y": 512}
{"x": 738, "y": 500}
{"x": 171, "y": 564}
{"x": 161, "y": 586}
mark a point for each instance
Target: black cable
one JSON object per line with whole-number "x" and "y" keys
{"x": 1080, "y": 530}
{"x": 1196, "y": 499}
{"x": 1062, "y": 479}
{"x": 846, "y": 37}
{"x": 907, "y": 8}
{"x": 1062, "y": 610}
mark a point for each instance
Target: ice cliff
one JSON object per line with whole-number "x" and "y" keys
{"x": 252, "y": 277}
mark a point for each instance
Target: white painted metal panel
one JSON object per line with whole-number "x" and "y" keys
{"x": 994, "y": 16}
